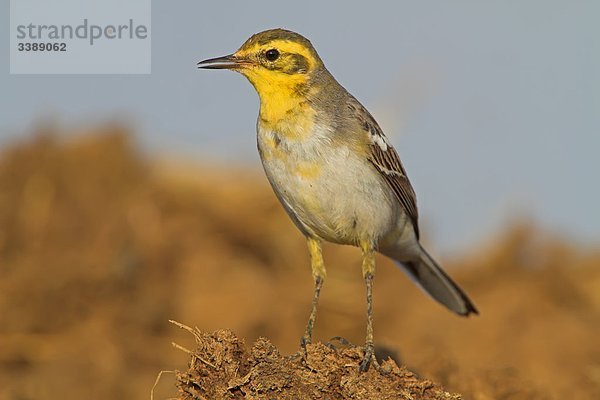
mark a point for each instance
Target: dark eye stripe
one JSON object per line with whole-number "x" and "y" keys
{"x": 297, "y": 64}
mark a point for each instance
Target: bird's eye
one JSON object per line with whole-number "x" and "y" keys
{"x": 272, "y": 54}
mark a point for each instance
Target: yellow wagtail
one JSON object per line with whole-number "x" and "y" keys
{"x": 333, "y": 169}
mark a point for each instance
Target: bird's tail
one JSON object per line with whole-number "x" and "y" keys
{"x": 430, "y": 277}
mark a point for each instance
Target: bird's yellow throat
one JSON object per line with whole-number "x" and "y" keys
{"x": 282, "y": 96}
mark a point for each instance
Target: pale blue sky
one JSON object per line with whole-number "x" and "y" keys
{"x": 493, "y": 106}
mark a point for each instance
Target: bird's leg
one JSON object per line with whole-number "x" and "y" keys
{"x": 368, "y": 270}
{"x": 318, "y": 272}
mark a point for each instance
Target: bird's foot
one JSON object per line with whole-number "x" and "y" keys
{"x": 304, "y": 341}
{"x": 369, "y": 358}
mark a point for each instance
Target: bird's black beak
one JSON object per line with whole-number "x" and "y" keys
{"x": 225, "y": 62}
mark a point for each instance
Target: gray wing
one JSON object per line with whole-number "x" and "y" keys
{"x": 386, "y": 161}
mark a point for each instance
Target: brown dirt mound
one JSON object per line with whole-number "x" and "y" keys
{"x": 222, "y": 368}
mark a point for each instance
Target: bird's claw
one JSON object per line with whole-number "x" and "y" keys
{"x": 368, "y": 358}
{"x": 304, "y": 341}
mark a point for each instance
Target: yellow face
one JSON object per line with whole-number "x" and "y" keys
{"x": 279, "y": 65}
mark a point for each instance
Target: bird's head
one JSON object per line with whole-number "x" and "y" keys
{"x": 274, "y": 61}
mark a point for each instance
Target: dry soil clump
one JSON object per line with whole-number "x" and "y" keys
{"x": 221, "y": 367}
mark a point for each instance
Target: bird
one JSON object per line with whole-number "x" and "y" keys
{"x": 334, "y": 171}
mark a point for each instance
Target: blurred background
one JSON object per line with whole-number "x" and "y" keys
{"x": 126, "y": 201}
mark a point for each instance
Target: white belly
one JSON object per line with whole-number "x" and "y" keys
{"x": 329, "y": 191}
